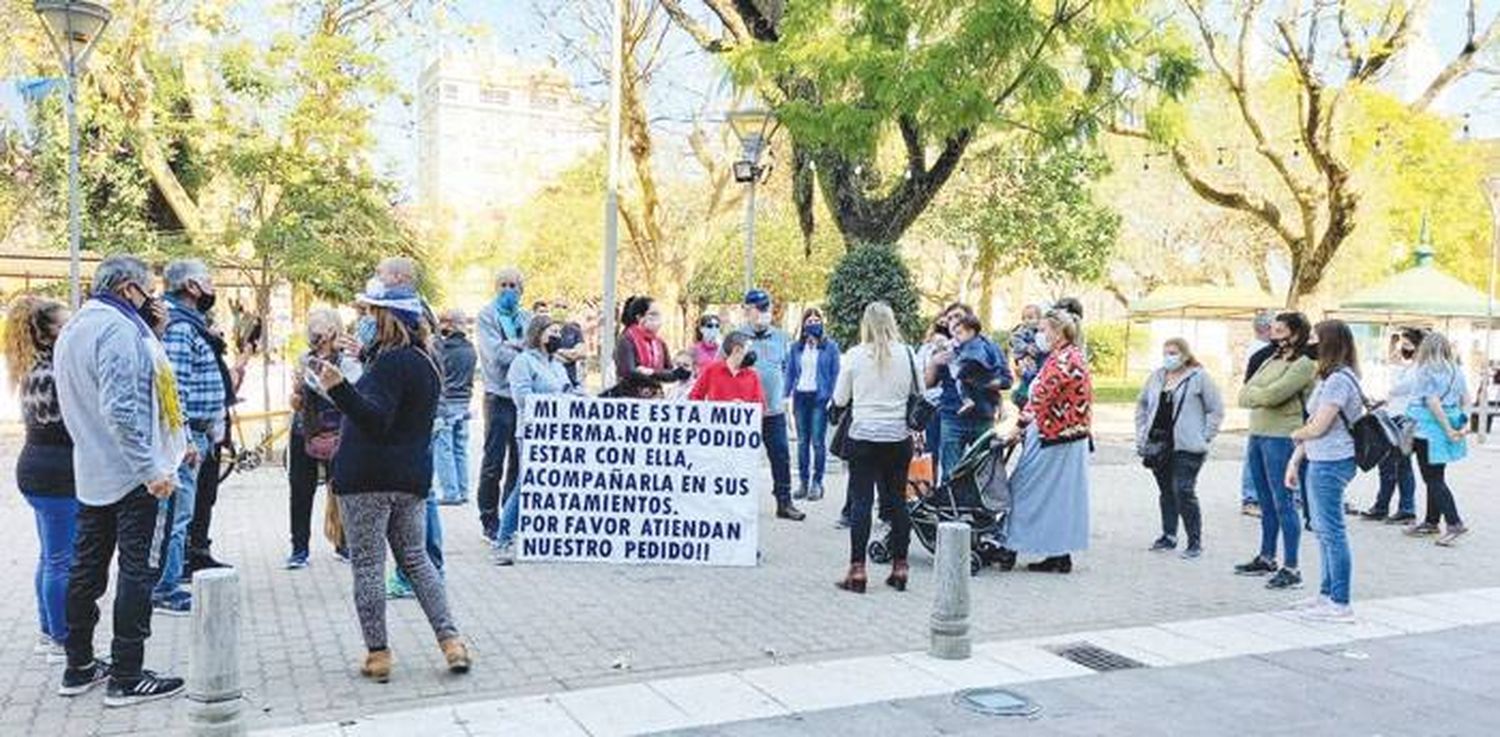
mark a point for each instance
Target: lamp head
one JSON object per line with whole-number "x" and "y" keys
{"x": 74, "y": 28}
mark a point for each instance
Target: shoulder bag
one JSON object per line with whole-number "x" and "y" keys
{"x": 1376, "y": 435}
{"x": 919, "y": 411}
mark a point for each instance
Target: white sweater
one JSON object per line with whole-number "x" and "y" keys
{"x": 878, "y": 392}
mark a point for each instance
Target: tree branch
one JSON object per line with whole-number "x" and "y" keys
{"x": 700, "y": 33}
{"x": 1262, "y": 209}
{"x": 1462, "y": 64}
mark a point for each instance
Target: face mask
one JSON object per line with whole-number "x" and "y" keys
{"x": 364, "y": 329}
{"x": 749, "y": 360}
{"x": 1171, "y": 361}
{"x": 1043, "y": 343}
{"x": 651, "y": 324}
{"x": 145, "y": 311}
{"x": 711, "y": 335}
{"x": 552, "y": 344}
{"x": 508, "y": 300}
{"x": 374, "y": 286}
{"x": 763, "y": 319}
{"x": 814, "y": 331}
{"x": 1408, "y": 353}
{"x": 206, "y": 302}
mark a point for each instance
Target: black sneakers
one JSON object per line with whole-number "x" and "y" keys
{"x": 1285, "y": 579}
{"x": 146, "y": 687}
{"x": 1163, "y": 543}
{"x": 78, "y": 681}
{"x": 1258, "y": 567}
{"x": 788, "y": 511}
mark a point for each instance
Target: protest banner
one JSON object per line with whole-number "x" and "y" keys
{"x": 637, "y": 481}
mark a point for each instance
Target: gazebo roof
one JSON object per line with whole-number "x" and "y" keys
{"x": 1423, "y": 290}
{"x": 1201, "y": 302}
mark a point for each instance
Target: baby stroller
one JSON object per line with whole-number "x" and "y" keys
{"x": 976, "y": 492}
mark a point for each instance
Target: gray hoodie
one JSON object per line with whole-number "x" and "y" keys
{"x": 497, "y": 350}
{"x": 104, "y": 365}
{"x": 1199, "y": 408}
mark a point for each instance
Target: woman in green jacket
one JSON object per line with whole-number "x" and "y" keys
{"x": 1277, "y": 399}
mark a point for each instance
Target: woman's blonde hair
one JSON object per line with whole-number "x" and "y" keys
{"x": 877, "y": 329}
{"x": 27, "y": 334}
{"x": 1188, "y": 359}
{"x": 1436, "y": 349}
{"x": 322, "y": 323}
{"x": 1064, "y": 322}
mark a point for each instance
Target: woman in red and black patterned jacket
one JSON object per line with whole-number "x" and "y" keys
{"x": 1050, "y": 509}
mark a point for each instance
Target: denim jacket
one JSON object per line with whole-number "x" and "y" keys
{"x": 828, "y": 368}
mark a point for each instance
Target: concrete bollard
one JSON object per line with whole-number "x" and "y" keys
{"x": 950, "y": 608}
{"x": 213, "y": 684}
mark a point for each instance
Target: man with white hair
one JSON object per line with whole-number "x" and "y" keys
{"x": 119, "y": 401}
{"x": 201, "y": 390}
{"x": 502, "y": 336}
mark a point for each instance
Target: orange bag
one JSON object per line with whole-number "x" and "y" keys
{"x": 919, "y": 476}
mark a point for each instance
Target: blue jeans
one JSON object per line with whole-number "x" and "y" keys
{"x": 812, "y": 436}
{"x": 434, "y": 533}
{"x": 1326, "y": 481}
{"x": 56, "y": 528}
{"x": 1396, "y": 473}
{"x": 957, "y": 434}
{"x": 510, "y": 518}
{"x": 179, "y": 508}
{"x": 450, "y": 452}
{"x": 779, "y": 453}
{"x": 1267, "y": 458}
{"x": 1247, "y": 486}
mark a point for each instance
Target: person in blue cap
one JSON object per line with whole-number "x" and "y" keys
{"x": 770, "y": 348}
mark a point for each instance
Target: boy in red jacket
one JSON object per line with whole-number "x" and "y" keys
{"x": 731, "y": 378}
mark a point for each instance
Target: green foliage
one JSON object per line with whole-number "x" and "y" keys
{"x": 1117, "y": 389}
{"x": 1107, "y": 347}
{"x": 869, "y": 273}
{"x": 1025, "y": 207}
{"x": 851, "y": 68}
{"x": 562, "y": 237}
{"x": 782, "y": 264}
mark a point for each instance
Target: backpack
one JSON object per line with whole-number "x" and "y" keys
{"x": 1376, "y": 434}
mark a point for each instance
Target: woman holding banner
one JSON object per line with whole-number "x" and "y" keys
{"x": 538, "y": 370}
{"x": 875, "y": 380}
{"x": 641, "y": 356}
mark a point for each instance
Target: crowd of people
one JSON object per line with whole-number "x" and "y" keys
{"x": 126, "y": 405}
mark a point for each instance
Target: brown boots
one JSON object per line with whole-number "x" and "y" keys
{"x": 899, "y": 573}
{"x": 377, "y": 665}
{"x": 456, "y": 653}
{"x": 855, "y": 580}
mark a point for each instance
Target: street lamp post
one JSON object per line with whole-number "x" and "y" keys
{"x": 612, "y": 200}
{"x": 73, "y": 28}
{"x": 750, "y": 126}
{"x": 1492, "y": 188}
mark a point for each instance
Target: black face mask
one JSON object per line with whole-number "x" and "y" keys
{"x": 748, "y": 361}
{"x": 1408, "y": 353}
{"x": 145, "y": 311}
{"x": 552, "y": 344}
{"x": 206, "y": 302}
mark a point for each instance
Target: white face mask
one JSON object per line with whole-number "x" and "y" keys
{"x": 1043, "y": 342}
{"x": 763, "y": 319}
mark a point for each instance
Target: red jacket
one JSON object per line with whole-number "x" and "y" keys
{"x": 1061, "y": 401}
{"x": 718, "y": 384}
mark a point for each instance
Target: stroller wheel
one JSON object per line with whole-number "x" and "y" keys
{"x": 879, "y": 553}
{"x": 976, "y": 563}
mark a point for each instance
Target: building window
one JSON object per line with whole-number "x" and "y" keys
{"x": 450, "y": 91}
{"x": 494, "y": 95}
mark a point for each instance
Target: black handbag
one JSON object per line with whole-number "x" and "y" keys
{"x": 1376, "y": 434}
{"x": 919, "y": 411}
{"x": 838, "y": 440}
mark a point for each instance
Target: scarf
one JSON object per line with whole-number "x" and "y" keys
{"x": 510, "y": 321}
{"x": 650, "y": 352}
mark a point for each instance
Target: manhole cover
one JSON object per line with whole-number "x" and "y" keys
{"x": 996, "y": 702}
{"x": 1094, "y": 657}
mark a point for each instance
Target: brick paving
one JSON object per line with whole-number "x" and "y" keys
{"x": 538, "y": 628}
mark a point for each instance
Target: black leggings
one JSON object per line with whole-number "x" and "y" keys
{"x": 878, "y": 467}
{"x": 1441, "y": 506}
{"x": 302, "y": 477}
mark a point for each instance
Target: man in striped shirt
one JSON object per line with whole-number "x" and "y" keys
{"x": 201, "y": 392}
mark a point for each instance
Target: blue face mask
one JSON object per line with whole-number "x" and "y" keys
{"x": 1172, "y": 361}
{"x": 711, "y": 335}
{"x": 508, "y": 300}
{"x": 814, "y": 331}
{"x": 364, "y": 329}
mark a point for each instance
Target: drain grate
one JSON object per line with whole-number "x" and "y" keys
{"x": 1095, "y": 658}
{"x": 996, "y": 702}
